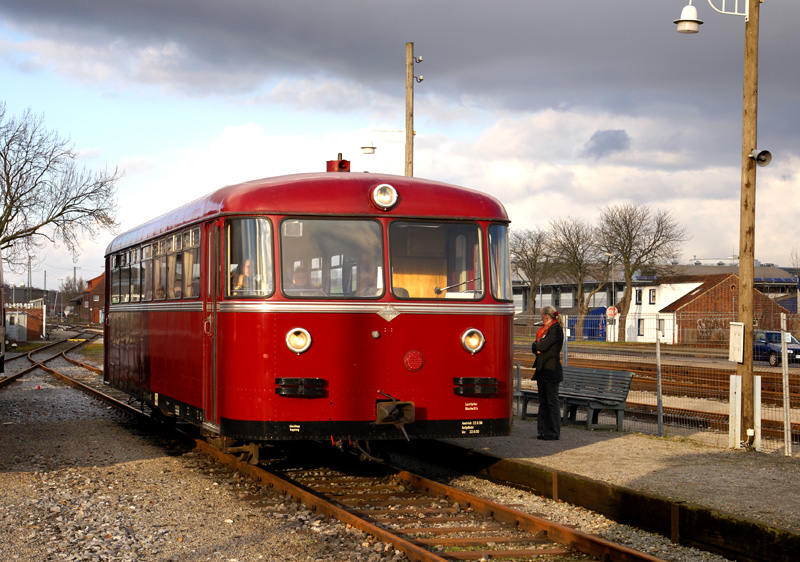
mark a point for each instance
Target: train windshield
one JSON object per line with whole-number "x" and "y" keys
{"x": 249, "y": 251}
{"x": 331, "y": 258}
{"x": 436, "y": 260}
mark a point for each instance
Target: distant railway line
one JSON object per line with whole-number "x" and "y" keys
{"x": 705, "y": 376}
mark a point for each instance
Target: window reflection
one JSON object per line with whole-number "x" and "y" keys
{"x": 436, "y": 260}
{"x": 499, "y": 263}
{"x": 331, "y": 258}
{"x": 249, "y": 252}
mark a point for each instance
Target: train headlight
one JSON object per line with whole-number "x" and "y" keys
{"x": 384, "y": 196}
{"x": 472, "y": 340}
{"x": 298, "y": 340}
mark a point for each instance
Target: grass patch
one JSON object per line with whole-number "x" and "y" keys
{"x": 91, "y": 352}
{"x": 25, "y": 346}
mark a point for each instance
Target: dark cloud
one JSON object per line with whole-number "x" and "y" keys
{"x": 517, "y": 53}
{"x": 517, "y": 56}
{"x": 605, "y": 143}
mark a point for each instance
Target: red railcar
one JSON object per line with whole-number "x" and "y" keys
{"x": 331, "y": 305}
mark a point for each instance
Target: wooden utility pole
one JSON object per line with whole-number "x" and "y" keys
{"x": 748, "y": 218}
{"x": 409, "y": 109}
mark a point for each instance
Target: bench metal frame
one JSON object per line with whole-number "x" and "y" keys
{"x": 594, "y": 389}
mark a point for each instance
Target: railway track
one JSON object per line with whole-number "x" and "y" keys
{"x": 426, "y": 520}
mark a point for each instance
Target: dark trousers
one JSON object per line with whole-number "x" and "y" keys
{"x": 548, "y": 420}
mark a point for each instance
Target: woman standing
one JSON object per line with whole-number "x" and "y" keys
{"x": 548, "y": 374}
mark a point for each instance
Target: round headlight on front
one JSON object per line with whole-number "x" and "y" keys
{"x": 384, "y": 196}
{"x": 298, "y": 340}
{"x": 472, "y": 341}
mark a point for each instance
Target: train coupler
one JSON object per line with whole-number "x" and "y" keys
{"x": 396, "y": 413}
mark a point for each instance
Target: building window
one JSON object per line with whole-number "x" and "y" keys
{"x": 96, "y": 298}
{"x": 641, "y": 326}
{"x": 661, "y": 325}
{"x": 638, "y": 296}
{"x": 652, "y": 296}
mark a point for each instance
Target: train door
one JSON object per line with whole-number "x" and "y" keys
{"x": 211, "y": 293}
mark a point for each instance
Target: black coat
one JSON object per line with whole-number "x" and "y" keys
{"x": 548, "y": 360}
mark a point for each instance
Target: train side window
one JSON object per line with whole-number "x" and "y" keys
{"x": 147, "y": 272}
{"x": 124, "y": 279}
{"x": 191, "y": 263}
{"x": 249, "y": 258}
{"x": 160, "y": 270}
{"x": 174, "y": 268}
{"x": 436, "y": 260}
{"x": 331, "y": 258}
{"x": 136, "y": 279}
{"x": 115, "y": 279}
{"x": 499, "y": 263}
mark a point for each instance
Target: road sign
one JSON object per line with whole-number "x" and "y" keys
{"x": 612, "y": 312}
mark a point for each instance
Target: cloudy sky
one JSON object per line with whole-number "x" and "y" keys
{"x": 556, "y": 108}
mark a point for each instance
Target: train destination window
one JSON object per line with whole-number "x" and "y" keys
{"x": 436, "y": 260}
{"x": 499, "y": 264}
{"x": 331, "y": 258}
{"x": 249, "y": 254}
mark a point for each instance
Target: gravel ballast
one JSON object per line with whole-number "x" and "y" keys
{"x": 80, "y": 482}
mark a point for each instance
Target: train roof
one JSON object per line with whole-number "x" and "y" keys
{"x": 324, "y": 193}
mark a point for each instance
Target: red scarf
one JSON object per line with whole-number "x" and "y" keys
{"x": 543, "y": 330}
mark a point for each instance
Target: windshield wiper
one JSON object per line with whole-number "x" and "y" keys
{"x": 440, "y": 290}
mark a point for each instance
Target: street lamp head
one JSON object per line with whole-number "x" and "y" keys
{"x": 688, "y": 22}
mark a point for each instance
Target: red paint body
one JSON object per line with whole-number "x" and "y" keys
{"x": 223, "y": 361}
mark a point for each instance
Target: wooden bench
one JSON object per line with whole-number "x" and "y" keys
{"x": 594, "y": 389}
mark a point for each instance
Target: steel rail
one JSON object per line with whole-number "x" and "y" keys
{"x": 583, "y": 542}
{"x": 413, "y": 549}
{"x": 8, "y": 380}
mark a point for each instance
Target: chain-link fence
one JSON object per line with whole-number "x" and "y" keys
{"x": 682, "y": 371}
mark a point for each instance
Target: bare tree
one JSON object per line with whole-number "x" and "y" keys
{"x": 638, "y": 238}
{"x": 46, "y": 197}
{"x": 529, "y": 260}
{"x": 71, "y": 288}
{"x": 574, "y": 245}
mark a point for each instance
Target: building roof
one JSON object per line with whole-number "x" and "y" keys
{"x": 708, "y": 283}
{"x": 764, "y": 275}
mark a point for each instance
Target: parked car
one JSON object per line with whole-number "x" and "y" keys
{"x": 767, "y": 347}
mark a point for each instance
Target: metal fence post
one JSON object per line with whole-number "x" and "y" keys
{"x": 787, "y": 414}
{"x": 659, "y": 395}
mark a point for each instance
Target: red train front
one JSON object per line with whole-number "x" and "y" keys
{"x": 317, "y": 306}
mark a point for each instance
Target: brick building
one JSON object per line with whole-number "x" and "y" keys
{"x": 697, "y": 310}
{"x": 93, "y": 300}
